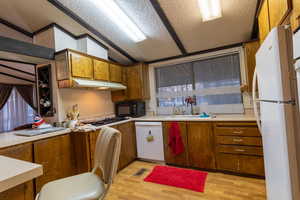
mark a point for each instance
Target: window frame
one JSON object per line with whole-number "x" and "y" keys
{"x": 152, "y": 104}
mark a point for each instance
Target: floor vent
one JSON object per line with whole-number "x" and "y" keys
{"x": 140, "y": 172}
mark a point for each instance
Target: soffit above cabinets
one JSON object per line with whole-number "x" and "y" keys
{"x": 183, "y": 15}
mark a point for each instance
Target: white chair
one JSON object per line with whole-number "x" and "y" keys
{"x": 89, "y": 186}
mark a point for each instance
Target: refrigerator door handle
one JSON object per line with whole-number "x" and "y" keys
{"x": 255, "y": 100}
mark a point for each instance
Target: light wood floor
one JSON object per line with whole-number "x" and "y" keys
{"x": 218, "y": 187}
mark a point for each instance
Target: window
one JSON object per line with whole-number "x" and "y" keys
{"x": 214, "y": 82}
{"x": 16, "y": 112}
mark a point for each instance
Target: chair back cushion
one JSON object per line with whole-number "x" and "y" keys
{"x": 107, "y": 153}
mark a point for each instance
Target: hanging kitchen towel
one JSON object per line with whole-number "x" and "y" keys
{"x": 175, "y": 139}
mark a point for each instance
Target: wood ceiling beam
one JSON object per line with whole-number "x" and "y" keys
{"x": 16, "y": 28}
{"x": 90, "y": 28}
{"x": 168, "y": 25}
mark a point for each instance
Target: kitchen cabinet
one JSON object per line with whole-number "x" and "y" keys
{"x": 295, "y": 17}
{"x": 101, "y": 70}
{"x": 278, "y": 11}
{"x": 250, "y": 49}
{"x": 73, "y": 64}
{"x": 239, "y": 148}
{"x": 181, "y": 159}
{"x": 56, "y": 154}
{"x": 24, "y": 191}
{"x": 264, "y": 21}
{"x": 137, "y": 82}
{"x": 201, "y": 145}
{"x": 116, "y": 72}
{"x": 81, "y": 66}
{"x": 128, "y": 147}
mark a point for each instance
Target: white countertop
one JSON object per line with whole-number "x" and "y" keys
{"x": 197, "y": 118}
{"x": 10, "y": 139}
{"x": 14, "y": 172}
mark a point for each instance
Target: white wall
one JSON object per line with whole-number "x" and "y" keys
{"x": 95, "y": 50}
{"x": 63, "y": 40}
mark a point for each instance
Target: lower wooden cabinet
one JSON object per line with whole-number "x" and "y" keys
{"x": 57, "y": 157}
{"x": 23, "y": 191}
{"x": 241, "y": 164}
{"x": 201, "y": 145}
{"x": 239, "y": 148}
{"x": 181, "y": 159}
{"x": 128, "y": 146}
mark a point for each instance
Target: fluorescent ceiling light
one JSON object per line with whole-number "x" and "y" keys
{"x": 117, "y": 15}
{"x": 210, "y": 9}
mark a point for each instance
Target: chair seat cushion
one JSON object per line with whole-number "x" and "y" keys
{"x": 87, "y": 186}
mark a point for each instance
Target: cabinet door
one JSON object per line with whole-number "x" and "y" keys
{"x": 201, "y": 145}
{"x": 295, "y": 18}
{"x": 115, "y": 73}
{"x": 23, "y": 191}
{"x": 170, "y": 158}
{"x": 101, "y": 70}
{"x": 57, "y": 157}
{"x": 128, "y": 147}
{"x": 134, "y": 85}
{"x": 81, "y": 66}
{"x": 250, "y": 51}
{"x": 263, "y": 21}
{"x": 278, "y": 11}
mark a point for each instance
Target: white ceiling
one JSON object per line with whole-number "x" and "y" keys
{"x": 184, "y": 15}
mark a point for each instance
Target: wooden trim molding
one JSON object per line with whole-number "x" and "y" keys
{"x": 16, "y": 61}
{"x": 168, "y": 25}
{"x": 196, "y": 53}
{"x": 18, "y": 70}
{"x": 25, "y": 48}
{"x": 16, "y": 77}
{"x": 93, "y": 30}
{"x": 16, "y": 28}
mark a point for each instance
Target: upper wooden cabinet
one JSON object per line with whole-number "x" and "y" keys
{"x": 70, "y": 63}
{"x": 81, "y": 66}
{"x": 137, "y": 81}
{"x": 116, "y": 73}
{"x": 263, "y": 21}
{"x": 295, "y": 17}
{"x": 278, "y": 11}
{"x": 101, "y": 70}
{"x": 250, "y": 49}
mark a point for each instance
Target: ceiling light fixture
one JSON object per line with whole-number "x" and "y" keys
{"x": 117, "y": 15}
{"x": 210, "y": 9}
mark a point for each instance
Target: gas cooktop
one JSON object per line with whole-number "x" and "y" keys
{"x": 108, "y": 121}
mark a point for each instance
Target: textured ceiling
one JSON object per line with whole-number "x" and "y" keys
{"x": 184, "y": 15}
{"x": 235, "y": 26}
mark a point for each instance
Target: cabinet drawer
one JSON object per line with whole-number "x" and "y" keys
{"x": 245, "y": 150}
{"x": 241, "y": 164}
{"x": 238, "y": 131}
{"x": 251, "y": 141}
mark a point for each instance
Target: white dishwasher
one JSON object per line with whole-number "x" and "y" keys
{"x": 149, "y": 138}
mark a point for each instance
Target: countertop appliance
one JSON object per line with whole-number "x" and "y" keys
{"x": 130, "y": 109}
{"x": 278, "y": 114}
{"x": 107, "y": 121}
{"x": 149, "y": 139}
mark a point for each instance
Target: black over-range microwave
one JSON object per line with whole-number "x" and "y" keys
{"x": 130, "y": 109}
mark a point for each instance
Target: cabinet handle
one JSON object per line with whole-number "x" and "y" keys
{"x": 237, "y": 132}
{"x": 238, "y": 165}
{"x": 238, "y": 140}
{"x": 240, "y": 150}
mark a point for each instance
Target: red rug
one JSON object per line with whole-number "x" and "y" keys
{"x": 178, "y": 177}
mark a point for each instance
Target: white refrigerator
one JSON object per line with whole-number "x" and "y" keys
{"x": 277, "y": 113}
